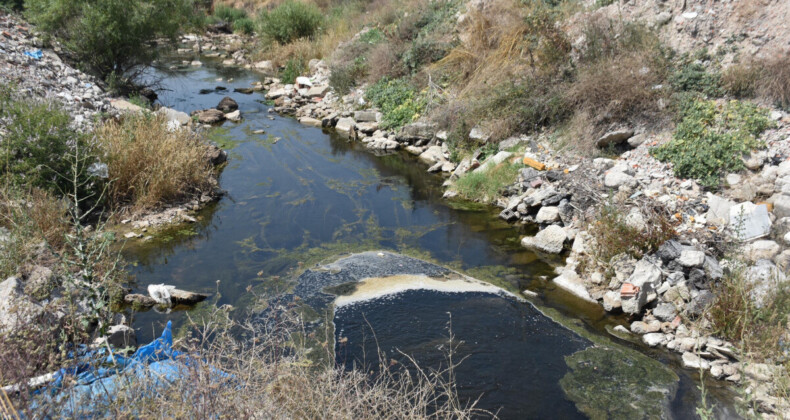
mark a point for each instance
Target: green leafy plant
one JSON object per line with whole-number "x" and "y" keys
{"x": 485, "y": 186}
{"x": 229, "y": 14}
{"x": 244, "y": 26}
{"x": 36, "y": 140}
{"x": 692, "y": 76}
{"x": 290, "y": 21}
{"x": 397, "y": 101}
{"x": 111, "y": 37}
{"x": 711, "y": 139}
{"x": 293, "y": 69}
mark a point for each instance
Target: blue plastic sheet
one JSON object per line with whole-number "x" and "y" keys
{"x": 98, "y": 375}
{"x": 36, "y": 55}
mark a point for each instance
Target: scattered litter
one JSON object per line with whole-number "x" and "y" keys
{"x": 36, "y": 55}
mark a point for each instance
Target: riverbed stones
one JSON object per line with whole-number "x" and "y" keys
{"x": 234, "y": 116}
{"x": 763, "y": 277}
{"x": 665, "y": 312}
{"x": 432, "y": 155}
{"x": 550, "y": 240}
{"x": 227, "y": 104}
{"x": 653, "y": 339}
{"x": 761, "y": 250}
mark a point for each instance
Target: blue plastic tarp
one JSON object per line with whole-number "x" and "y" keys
{"x": 36, "y": 55}
{"x": 99, "y": 376}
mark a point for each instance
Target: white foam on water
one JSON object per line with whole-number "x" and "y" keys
{"x": 378, "y": 287}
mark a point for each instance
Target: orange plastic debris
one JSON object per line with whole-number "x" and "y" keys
{"x": 534, "y": 163}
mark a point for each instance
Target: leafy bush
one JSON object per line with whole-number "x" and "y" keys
{"x": 149, "y": 165}
{"x": 244, "y": 26}
{"x": 372, "y": 36}
{"x": 423, "y": 52}
{"x": 711, "y": 139}
{"x": 486, "y": 186}
{"x": 290, "y": 21}
{"x": 229, "y": 14}
{"x": 613, "y": 235}
{"x": 397, "y": 101}
{"x": 37, "y": 139}
{"x": 111, "y": 37}
{"x": 694, "y": 77}
{"x": 293, "y": 69}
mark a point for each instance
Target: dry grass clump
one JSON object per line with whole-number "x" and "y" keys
{"x": 764, "y": 78}
{"x": 613, "y": 234}
{"x": 269, "y": 376}
{"x": 150, "y": 165}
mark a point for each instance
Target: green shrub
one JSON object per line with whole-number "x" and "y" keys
{"x": 711, "y": 139}
{"x": 293, "y": 69}
{"x": 229, "y": 14}
{"x": 694, "y": 77}
{"x": 38, "y": 139}
{"x": 11, "y": 4}
{"x": 372, "y": 36}
{"x": 486, "y": 186}
{"x": 290, "y": 21}
{"x": 111, "y": 37}
{"x": 397, "y": 101}
{"x": 244, "y": 26}
{"x": 345, "y": 77}
{"x": 423, "y": 52}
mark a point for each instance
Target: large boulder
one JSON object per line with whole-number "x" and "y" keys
{"x": 614, "y": 138}
{"x": 763, "y": 277}
{"x": 227, "y": 104}
{"x": 182, "y": 118}
{"x": 418, "y": 132}
{"x": 16, "y": 309}
{"x": 640, "y": 284}
{"x": 432, "y": 155}
{"x": 550, "y": 240}
{"x": 211, "y": 116}
{"x": 614, "y": 179}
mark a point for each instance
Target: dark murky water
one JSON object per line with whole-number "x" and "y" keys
{"x": 297, "y": 195}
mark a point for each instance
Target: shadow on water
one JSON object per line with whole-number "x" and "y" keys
{"x": 313, "y": 195}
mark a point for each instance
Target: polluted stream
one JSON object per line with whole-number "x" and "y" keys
{"x": 368, "y": 239}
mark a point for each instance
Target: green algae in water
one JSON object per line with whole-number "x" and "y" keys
{"x": 606, "y": 383}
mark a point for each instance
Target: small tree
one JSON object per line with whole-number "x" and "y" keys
{"x": 112, "y": 39}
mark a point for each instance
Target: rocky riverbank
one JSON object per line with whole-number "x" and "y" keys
{"x": 664, "y": 293}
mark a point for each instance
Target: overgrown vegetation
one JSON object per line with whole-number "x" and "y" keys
{"x": 150, "y": 166}
{"x": 614, "y": 234}
{"x": 35, "y": 143}
{"x": 111, "y": 39}
{"x": 711, "y": 138}
{"x": 397, "y": 101}
{"x": 766, "y": 78}
{"x": 291, "y": 20}
{"x": 485, "y": 186}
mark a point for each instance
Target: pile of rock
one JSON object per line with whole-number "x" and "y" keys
{"x": 40, "y": 73}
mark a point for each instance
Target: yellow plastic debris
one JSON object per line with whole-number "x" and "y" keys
{"x": 534, "y": 164}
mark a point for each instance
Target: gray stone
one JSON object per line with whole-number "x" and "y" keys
{"x": 764, "y": 277}
{"x": 317, "y": 91}
{"x": 615, "y": 179}
{"x": 761, "y": 250}
{"x": 15, "y": 307}
{"x": 665, "y": 312}
{"x": 614, "y": 138}
{"x": 121, "y": 337}
{"x": 493, "y": 161}
{"x": 548, "y": 214}
{"x": 692, "y": 361}
{"x": 346, "y": 125}
{"x": 637, "y": 140}
{"x": 479, "y": 135}
{"x": 265, "y": 66}
{"x": 172, "y": 115}
{"x": 432, "y": 155}
{"x": 365, "y": 116}
{"x": 211, "y": 116}
{"x": 653, "y": 339}
{"x": 310, "y": 121}
{"x": 712, "y": 268}
{"x": 235, "y": 116}
{"x": 669, "y": 250}
{"x": 749, "y": 221}
{"x": 611, "y": 301}
{"x": 782, "y": 206}
{"x": 550, "y": 240}
{"x": 691, "y": 258}
{"x": 699, "y": 304}
{"x": 227, "y": 104}
{"x": 571, "y": 282}
{"x": 718, "y": 210}
{"x": 417, "y": 131}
